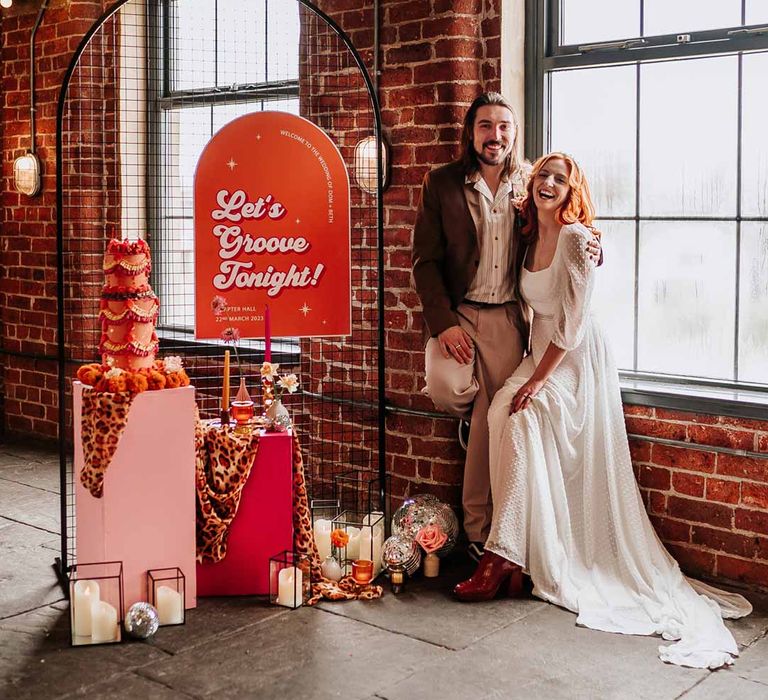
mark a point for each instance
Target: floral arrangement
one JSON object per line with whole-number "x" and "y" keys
{"x": 289, "y": 382}
{"x": 431, "y": 538}
{"x": 164, "y": 374}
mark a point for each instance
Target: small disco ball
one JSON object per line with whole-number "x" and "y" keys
{"x": 422, "y": 510}
{"x": 141, "y": 621}
{"x": 398, "y": 550}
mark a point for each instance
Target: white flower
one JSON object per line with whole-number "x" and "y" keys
{"x": 269, "y": 370}
{"x": 113, "y": 373}
{"x": 290, "y": 383}
{"x": 173, "y": 364}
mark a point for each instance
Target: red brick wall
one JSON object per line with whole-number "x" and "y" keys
{"x": 711, "y": 508}
{"x": 28, "y": 250}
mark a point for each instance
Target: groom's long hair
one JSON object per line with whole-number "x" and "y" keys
{"x": 469, "y": 160}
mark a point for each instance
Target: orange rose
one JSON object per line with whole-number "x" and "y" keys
{"x": 156, "y": 380}
{"x": 339, "y": 538}
{"x": 136, "y": 382}
{"x": 118, "y": 383}
{"x": 89, "y": 374}
{"x": 172, "y": 380}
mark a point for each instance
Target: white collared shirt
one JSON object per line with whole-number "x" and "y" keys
{"x": 494, "y": 218}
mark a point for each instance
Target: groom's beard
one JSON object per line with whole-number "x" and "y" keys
{"x": 495, "y": 159}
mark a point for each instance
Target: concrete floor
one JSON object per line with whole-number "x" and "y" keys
{"x": 418, "y": 645}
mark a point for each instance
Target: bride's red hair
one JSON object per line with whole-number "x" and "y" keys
{"x": 578, "y": 205}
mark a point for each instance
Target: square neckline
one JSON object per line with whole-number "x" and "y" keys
{"x": 554, "y": 255}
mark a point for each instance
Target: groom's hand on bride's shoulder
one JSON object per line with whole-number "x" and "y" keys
{"x": 594, "y": 247}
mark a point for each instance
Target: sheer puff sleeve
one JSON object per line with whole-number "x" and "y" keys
{"x": 576, "y": 280}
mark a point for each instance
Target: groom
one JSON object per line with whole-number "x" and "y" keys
{"x": 464, "y": 273}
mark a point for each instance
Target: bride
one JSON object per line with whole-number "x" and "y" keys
{"x": 566, "y": 506}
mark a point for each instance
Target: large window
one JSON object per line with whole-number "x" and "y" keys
{"x": 664, "y": 105}
{"x": 215, "y": 60}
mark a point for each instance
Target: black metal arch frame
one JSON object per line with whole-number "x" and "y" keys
{"x": 62, "y": 565}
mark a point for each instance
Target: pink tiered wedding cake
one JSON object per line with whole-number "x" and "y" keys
{"x": 129, "y": 307}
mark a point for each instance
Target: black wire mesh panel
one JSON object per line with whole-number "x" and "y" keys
{"x": 152, "y": 84}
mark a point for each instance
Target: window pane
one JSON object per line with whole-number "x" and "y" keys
{"x": 614, "y": 297}
{"x": 665, "y": 17}
{"x": 592, "y": 21}
{"x": 687, "y": 298}
{"x": 601, "y": 136}
{"x": 754, "y": 149}
{"x": 193, "y": 44}
{"x": 688, "y": 120}
{"x": 186, "y": 133}
{"x": 283, "y": 40}
{"x": 753, "y": 303}
{"x": 757, "y": 12}
{"x": 176, "y": 278}
{"x": 242, "y": 41}
{"x": 225, "y": 113}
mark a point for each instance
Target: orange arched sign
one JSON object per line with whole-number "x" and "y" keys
{"x": 272, "y": 227}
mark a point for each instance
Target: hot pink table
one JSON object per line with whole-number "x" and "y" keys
{"x": 262, "y": 527}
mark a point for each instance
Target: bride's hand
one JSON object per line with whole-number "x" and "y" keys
{"x": 524, "y": 395}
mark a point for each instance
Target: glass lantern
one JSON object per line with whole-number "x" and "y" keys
{"x": 96, "y": 602}
{"x": 168, "y": 594}
{"x": 290, "y": 583}
{"x": 366, "y": 539}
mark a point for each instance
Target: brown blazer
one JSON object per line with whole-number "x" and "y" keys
{"x": 446, "y": 253}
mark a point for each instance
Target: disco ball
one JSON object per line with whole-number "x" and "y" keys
{"x": 424, "y": 509}
{"x": 400, "y": 551}
{"x": 141, "y": 621}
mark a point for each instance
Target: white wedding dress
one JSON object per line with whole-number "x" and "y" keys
{"x": 566, "y": 504}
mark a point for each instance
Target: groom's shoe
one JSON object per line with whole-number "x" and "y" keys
{"x": 492, "y": 573}
{"x": 476, "y": 550}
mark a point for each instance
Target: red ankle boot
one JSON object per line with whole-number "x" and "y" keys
{"x": 491, "y": 574}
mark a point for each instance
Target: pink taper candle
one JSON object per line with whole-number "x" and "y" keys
{"x": 267, "y": 335}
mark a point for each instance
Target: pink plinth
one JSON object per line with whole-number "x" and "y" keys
{"x": 146, "y": 517}
{"x": 262, "y": 527}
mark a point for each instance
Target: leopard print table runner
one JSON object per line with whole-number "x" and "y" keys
{"x": 223, "y": 464}
{"x": 104, "y": 417}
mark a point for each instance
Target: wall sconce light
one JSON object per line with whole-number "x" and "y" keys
{"x": 365, "y": 164}
{"x": 6, "y": 3}
{"x": 26, "y": 174}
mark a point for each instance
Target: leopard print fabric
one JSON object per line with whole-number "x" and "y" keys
{"x": 104, "y": 417}
{"x": 223, "y": 463}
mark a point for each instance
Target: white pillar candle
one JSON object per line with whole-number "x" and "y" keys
{"x": 103, "y": 622}
{"x": 85, "y": 594}
{"x": 289, "y": 583}
{"x": 372, "y": 517}
{"x": 353, "y": 546}
{"x": 371, "y": 544}
{"x": 170, "y": 606}
{"x": 323, "y": 537}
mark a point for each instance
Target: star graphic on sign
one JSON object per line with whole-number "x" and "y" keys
{"x": 231, "y": 164}
{"x": 258, "y": 137}
{"x": 305, "y": 309}
{"x": 324, "y": 321}
{"x": 298, "y": 221}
